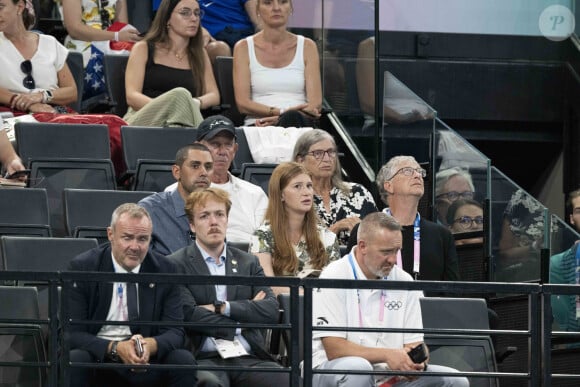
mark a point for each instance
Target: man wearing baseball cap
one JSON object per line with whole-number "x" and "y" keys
{"x": 249, "y": 202}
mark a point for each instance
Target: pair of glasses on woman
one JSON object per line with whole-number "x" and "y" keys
{"x": 28, "y": 81}
{"x": 187, "y": 13}
{"x": 319, "y": 154}
{"x": 466, "y": 222}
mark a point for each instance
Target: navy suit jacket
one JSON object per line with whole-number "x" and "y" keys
{"x": 242, "y": 309}
{"x": 92, "y": 300}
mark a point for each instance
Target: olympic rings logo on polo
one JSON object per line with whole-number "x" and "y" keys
{"x": 393, "y": 305}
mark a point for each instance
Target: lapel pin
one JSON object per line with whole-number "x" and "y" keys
{"x": 234, "y": 270}
{"x": 152, "y": 285}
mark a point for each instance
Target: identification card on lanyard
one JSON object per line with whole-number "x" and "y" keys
{"x": 382, "y": 304}
{"x": 416, "y": 246}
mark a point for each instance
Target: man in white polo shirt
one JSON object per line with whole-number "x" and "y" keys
{"x": 373, "y": 258}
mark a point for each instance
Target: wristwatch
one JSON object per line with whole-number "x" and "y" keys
{"x": 113, "y": 355}
{"x": 218, "y": 306}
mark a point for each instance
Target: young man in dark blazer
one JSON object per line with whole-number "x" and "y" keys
{"x": 129, "y": 236}
{"x": 207, "y": 211}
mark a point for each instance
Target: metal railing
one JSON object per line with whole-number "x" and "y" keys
{"x": 539, "y": 332}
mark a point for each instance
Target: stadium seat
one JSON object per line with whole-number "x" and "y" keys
{"x": 65, "y": 156}
{"x": 115, "y": 66}
{"x": 223, "y": 73}
{"x": 88, "y": 212}
{"x": 76, "y": 66}
{"x": 258, "y": 174}
{"x": 243, "y": 154}
{"x": 41, "y": 255}
{"x": 463, "y": 352}
{"x": 152, "y": 143}
{"x": 24, "y": 212}
{"x": 21, "y": 342}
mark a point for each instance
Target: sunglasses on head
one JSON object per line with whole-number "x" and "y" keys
{"x": 28, "y": 81}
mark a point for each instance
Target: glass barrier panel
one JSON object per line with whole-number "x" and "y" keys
{"x": 408, "y": 122}
{"x": 517, "y": 231}
{"x": 461, "y": 174}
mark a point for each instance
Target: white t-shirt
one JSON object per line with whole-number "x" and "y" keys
{"x": 340, "y": 307}
{"x": 47, "y": 61}
{"x": 278, "y": 87}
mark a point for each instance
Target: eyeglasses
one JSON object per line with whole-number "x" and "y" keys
{"x": 319, "y": 154}
{"x": 454, "y": 195}
{"x": 28, "y": 81}
{"x": 186, "y": 13}
{"x": 408, "y": 171}
{"x": 465, "y": 222}
{"x": 105, "y": 15}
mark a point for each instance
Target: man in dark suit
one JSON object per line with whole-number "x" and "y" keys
{"x": 129, "y": 236}
{"x": 428, "y": 251}
{"x": 214, "y": 345}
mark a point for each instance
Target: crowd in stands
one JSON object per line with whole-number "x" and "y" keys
{"x": 297, "y": 229}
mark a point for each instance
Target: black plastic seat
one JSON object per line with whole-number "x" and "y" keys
{"x": 243, "y": 154}
{"x": 258, "y": 174}
{"x": 24, "y": 212}
{"x": 152, "y": 143}
{"x": 224, "y": 66}
{"x": 115, "y": 66}
{"x": 74, "y": 61}
{"x": 41, "y": 255}
{"x": 21, "y": 342}
{"x": 153, "y": 175}
{"x": 88, "y": 212}
{"x": 463, "y": 352}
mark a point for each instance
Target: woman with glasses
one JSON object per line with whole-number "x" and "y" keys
{"x": 277, "y": 73}
{"x": 465, "y": 215}
{"x": 34, "y": 76}
{"x": 340, "y": 205}
{"x": 169, "y": 77}
{"x": 451, "y": 184}
{"x": 290, "y": 240}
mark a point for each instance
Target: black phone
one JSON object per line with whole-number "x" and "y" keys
{"x": 17, "y": 174}
{"x": 418, "y": 354}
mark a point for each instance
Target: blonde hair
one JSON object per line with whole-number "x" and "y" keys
{"x": 284, "y": 259}
{"x": 200, "y": 198}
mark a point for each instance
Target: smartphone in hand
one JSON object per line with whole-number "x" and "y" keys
{"x": 138, "y": 347}
{"x": 418, "y": 354}
{"x": 17, "y": 174}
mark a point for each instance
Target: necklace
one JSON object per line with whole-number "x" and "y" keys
{"x": 179, "y": 57}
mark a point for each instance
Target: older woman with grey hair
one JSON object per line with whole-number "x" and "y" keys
{"x": 451, "y": 184}
{"x": 340, "y": 205}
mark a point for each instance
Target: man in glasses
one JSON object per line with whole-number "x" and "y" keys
{"x": 428, "y": 251}
{"x": 451, "y": 184}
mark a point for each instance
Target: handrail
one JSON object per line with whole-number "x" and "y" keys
{"x": 539, "y": 331}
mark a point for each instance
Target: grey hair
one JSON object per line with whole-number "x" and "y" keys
{"x": 374, "y": 222}
{"x": 387, "y": 171}
{"x": 443, "y": 176}
{"x": 134, "y": 211}
{"x": 302, "y": 147}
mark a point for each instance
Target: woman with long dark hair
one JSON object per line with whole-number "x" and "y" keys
{"x": 169, "y": 78}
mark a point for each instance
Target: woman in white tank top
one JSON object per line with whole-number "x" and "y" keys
{"x": 277, "y": 73}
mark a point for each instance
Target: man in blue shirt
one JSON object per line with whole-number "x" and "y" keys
{"x": 171, "y": 232}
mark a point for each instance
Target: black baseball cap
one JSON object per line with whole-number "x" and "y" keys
{"x": 213, "y": 125}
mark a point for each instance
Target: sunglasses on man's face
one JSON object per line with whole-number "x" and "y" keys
{"x": 28, "y": 81}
